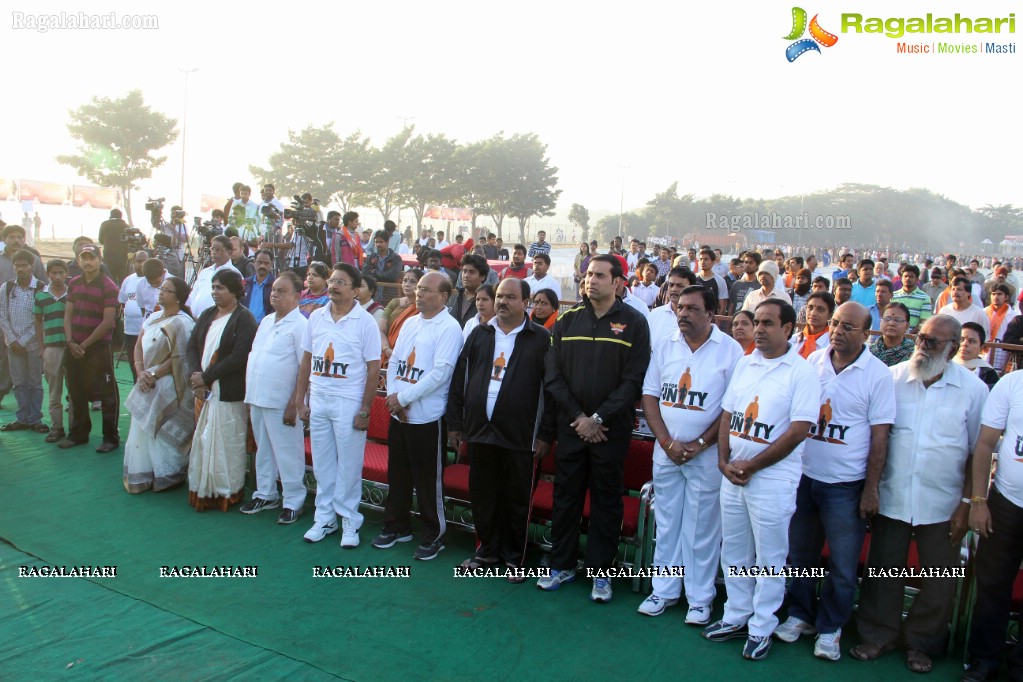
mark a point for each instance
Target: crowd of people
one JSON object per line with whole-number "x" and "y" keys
{"x": 793, "y": 430}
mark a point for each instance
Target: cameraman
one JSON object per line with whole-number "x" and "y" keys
{"x": 244, "y": 214}
{"x": 111, "y": 237}
{"x": 177, "y": 230}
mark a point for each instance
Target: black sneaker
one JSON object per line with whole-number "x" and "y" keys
{"x": 288, "y": 516}
{"x": 386, "y": 540}
{"x": 756, "y": 647}
{"x": 426, "y": 552}
{"x": 256, "y": 505}
{"x": 722, "y": 631}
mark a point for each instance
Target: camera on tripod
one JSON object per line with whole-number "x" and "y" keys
{"x": 207, "y": 230}
{"x": 134, "y": 239}
{"x": 303, "y": 219}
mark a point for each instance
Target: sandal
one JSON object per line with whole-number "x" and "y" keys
{"x": 15, "y": 426}
{"x": 474, "y": 562}
{"x": 918, "y": 661}
{"x": 40, "y": 428}
{"x": 869, "y": 651}
{"x": 513, "y": 576}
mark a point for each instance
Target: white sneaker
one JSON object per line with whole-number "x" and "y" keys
{"x": 654, "y": 605}
{"x": 349, "y": 535}
{"x": 791, "y": 629}
{"x": 828, "y": 646}
{"x": 698, "y": 615}
{"x": 320, "y": 531}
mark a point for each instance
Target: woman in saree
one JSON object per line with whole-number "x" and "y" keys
{"x": 218, "y": 352}
{"x": 545, "y": 308}
{"x": 160, "y": 404}
{"x": 398, "y": 310}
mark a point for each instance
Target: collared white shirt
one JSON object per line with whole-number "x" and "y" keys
{"x": 1004, "y": 410}
{"x": 202, "y": 291}
{"x": 690, "y": 386}
{"x": 421, "y": 365}
{"x": 147, "y": 296}
{"x": 863, "y": 397}
{"x": 935, "y": 431}
{"x": 504, "y": 347}
{"x": 340, "y": 350}
{"x": 647, "y": 294}
{"x": 637, "y": 303}
{"x": 128, "y": 297}
{"x": 764, "y": 397}
{"x": 270, "y": 374}
{"x": 663, "y": 322}
{"x": 545, "y": 282}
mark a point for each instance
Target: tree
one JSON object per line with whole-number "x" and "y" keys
{"x": 116, "y": 139}
{"x": 388, "y": 172}
{"x": 668, "y": 213}
{"x": 580, "y": 217}
{"x": 303, "y": 163}
{"x": 494, "y": 176}
{"x": 430, "y": 179}
{"x": 531, "y": 192}
{"x": 471, "y": 187}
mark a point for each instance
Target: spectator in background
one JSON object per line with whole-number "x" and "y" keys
{"x": 48, "y": 311}
{"x": 202, "y": 290}
{"x": 541, "y": 277}
{"x": 381, "y": 262}
{"x": 111, "y": 233}
{"x": 999, "y": 315}
{"x": 882, "y": 297}
{"x": 316, "y": 295}
{"x": 934, "y": 287}
{"x": 484, "y": 309}
{"x": 970, "y": 355}
{"x": 130, "y": 309}
{"x": 800, "y": 291}
{"x": 541, "y": 245}
{"x": 646, "y": 288}
{"x": 820, "y": 306}
{"x": 742, "y": 330}
{"x": 240, "y": 258}
{"x": 24, "y": 344}
{"x": 502, "y": 253}
{"x": 892, "y": 347}
{"x": 545, "y": 308}
{"x": 518, "y": 267}
{"x": 843, "y": 291}
{"x": 916, "y": 300}
{"x": 259, "y": 285}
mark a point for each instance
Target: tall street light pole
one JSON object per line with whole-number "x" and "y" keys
{"x": 184, "y": 135}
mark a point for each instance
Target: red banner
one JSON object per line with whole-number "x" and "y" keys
{"x": 208, "y": 202}
{"x": 95, "y": 197}
{"x": 448, "y": 213}
{"x": 45, "y": 192}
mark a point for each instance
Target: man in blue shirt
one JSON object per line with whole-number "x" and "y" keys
{"x": 257, "y": 287}
{"x": 863, "y": 288}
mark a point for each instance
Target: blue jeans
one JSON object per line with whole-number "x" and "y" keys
{"x": 26, "y": 374}
{"x": 826, "y": 511}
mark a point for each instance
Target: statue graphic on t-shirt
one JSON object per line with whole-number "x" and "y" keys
{"x": 499, "y": 365}
{"x": 328, "y": 360}
{"x": 685, "y": 382}
{"x": 752, "y": 412}
{"x": 823, "y": 419}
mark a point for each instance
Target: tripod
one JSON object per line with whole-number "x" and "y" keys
{"x": 195, "y": 264}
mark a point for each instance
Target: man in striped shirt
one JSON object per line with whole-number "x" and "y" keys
{"x": 916, "y": 300}
{"x": 49, "y": 320}
{"x": 88, "y": 361}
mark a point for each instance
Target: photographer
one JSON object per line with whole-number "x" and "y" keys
{"x": 244, "y": 214}
{"x": 111, "y": 237}
{"x": 271, "y": 216}
{"x": 177, "y": 230}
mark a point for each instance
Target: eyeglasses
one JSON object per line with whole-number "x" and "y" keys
{"x": 846, "y": 327}
{"x": 340, "y": 282}
{"x": 928, "y": 342}
{"x": 894, "y": 320}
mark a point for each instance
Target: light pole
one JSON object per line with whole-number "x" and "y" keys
{"x": 184, "y": 135}
{"x": 405, "y": 120}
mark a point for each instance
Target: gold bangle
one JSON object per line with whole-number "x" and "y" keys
{"x": 977, "y": 499}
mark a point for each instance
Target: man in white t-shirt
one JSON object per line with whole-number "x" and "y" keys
{"x": 336, "y": 385}
{"x": 418, "y": 378}
{"x": 541, "y": 277}
{"x": 771, "y": 401}
{"x": 838, "y": 492}
{"x": 133, "y": 317}
{"x": 202, "y": 291}
{"x": 270, "y": 381}
{"x": 962, "y": 308}
{"x": 997, "y": 516}
{"x": 925, "y": 478}
{"x": 682, "y": 392}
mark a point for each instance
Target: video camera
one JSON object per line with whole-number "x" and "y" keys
{"x": 303, "y": 219}
{"x": 134, "y": 239}
{"x": 207, "y": 230}
{"x": 155, "y": 204}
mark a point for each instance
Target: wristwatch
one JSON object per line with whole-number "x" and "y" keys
{"x": 597, "y": 418}
{"x": 151, "y": 374}
{"x": 702, "y": 442}
{"x": 364, "y": 414}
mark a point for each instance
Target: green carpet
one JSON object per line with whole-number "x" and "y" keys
{"x": 68, "y": 507}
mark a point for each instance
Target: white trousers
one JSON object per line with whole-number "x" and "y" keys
{"x": 755, "y": 534}
{"x": 688, "y": 515}
{"x": 280, "y": 451}
{"x": 338, "y": 453}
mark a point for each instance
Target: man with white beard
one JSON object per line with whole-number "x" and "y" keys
{"x": 924, "y": 493}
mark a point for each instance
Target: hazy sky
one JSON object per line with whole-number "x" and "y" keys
{"x": 695, "y": 92}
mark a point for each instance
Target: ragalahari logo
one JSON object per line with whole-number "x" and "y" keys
{"x": 817, "y": 35}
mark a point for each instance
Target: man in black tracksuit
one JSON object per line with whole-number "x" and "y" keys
{"x": 594, "y": 372}
{"x": 496, "y": 404}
